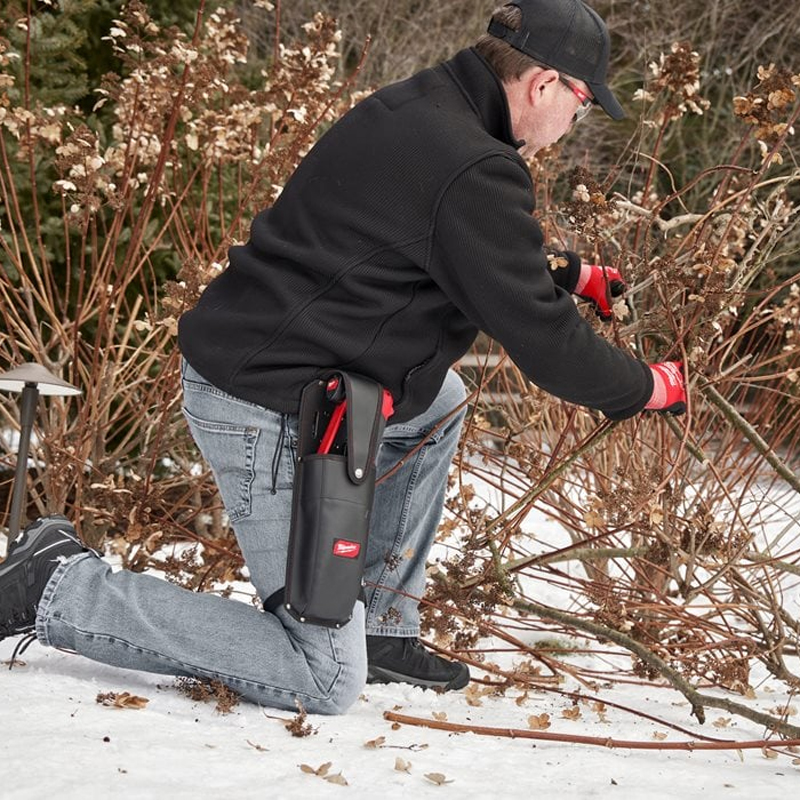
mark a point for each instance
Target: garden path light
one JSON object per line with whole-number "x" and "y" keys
{"x": 30, "y": 380}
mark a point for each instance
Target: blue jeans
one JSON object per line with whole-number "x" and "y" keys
{"x": 140, "y": 622}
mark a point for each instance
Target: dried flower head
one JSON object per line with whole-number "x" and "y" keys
{"x": 768, "y": 106}
{"x": 589, "y": 209}
{"x": 676, "y": 76}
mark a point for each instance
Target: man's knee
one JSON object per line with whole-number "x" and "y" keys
{"x": 453, "y": 392}
{"x": 345, "y": 689}
{"x": 450, "y": 403}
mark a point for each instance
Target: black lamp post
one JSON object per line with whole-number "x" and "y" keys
{"x": 31, "y": 380}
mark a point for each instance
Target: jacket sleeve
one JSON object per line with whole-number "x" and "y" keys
{"x": 487, "y": 254}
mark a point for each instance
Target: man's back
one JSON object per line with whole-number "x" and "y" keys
{"x": 335, "y": 273}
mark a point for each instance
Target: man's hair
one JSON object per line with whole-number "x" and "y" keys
{"x": 507, "y": 62}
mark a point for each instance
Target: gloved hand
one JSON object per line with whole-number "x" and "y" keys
{"x": 598, "y": 285}
{"x": 669, "y": 388}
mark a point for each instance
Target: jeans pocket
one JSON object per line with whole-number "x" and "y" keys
{"x": 230, "y": 450}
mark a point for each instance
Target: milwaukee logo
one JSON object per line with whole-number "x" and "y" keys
{"x": 346, "y": 549}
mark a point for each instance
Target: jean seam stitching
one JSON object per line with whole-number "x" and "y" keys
{"x": 246, "y": 487}
{"x": 43, "y": 614}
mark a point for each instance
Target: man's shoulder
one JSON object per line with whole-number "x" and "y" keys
{"x": 418, "y": 89}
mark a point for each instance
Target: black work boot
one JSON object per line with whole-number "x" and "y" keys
{"x": 31, "y": 560}
{"x": 394, "y": 659}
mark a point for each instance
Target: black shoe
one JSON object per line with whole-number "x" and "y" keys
{"x": 31, "y": 560}
{"x": 394, "y": 659}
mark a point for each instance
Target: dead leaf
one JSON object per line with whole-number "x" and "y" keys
{"x": 573, "y": 713}
{"x": 395, "y": 726}
{"x": 440, "y": 715}
{"x": 121, "y": 700}
{"x": 437, "y": 778}
{"x": 659, "y": 736}
{"x": 556, "y": 262}
{"x": 539, "y": 722}
{"x": 521, "y": 699}
{"x": 298, "y": 726}
{"x": 769, "y": 753}
{"x": 593, "y": 519}
{"x": 321, "y": 771}
{"x": 401, "y": 765}
{"x": 721, "y": 722}
{"x": 473, "y": 695}
{"x": 374, "y": 744}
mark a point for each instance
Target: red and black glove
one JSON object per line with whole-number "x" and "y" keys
{"x": 599, "y": 285}
{"x": 669, "y": 388}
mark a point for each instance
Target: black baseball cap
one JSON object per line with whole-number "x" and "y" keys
{"x": 568, "y": 36}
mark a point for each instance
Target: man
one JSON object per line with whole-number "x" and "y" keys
{"x": 406, "y": 230}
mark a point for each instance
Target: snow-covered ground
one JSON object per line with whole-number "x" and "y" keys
{"x": 56, "y": 740}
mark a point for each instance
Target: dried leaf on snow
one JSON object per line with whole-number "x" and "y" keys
{"x": 437, "y": 778}
{"x": 321, "y": 771}
{"x": 539, "y": 722}
{"x": 374, "y": 744}
{"x": 121, "y": 700}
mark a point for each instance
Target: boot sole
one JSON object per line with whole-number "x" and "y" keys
{"x": 383, "y": 675}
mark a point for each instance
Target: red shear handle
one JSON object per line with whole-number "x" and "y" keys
{"x": 387, "y": 408}
{"x": 336, "y": 388}
{"x": 333, "y": 428}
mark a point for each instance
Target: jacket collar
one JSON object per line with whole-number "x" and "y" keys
{"x": 484, "y": 92}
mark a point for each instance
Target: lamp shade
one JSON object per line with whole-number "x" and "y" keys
{"x": 15, "y": 379}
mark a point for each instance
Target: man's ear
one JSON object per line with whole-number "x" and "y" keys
{"x": 539, "y": 82}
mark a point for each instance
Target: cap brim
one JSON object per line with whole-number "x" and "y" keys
{"x": 606, "y": 100}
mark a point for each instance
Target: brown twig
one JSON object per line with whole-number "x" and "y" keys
{"x": 598, "y": 741}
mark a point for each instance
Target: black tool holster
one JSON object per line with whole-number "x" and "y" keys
{"x": 332, "y": 501}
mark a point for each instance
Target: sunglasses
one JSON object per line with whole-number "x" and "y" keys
{"x": 586, "y": 102}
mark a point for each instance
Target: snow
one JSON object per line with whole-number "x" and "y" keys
{"x": 56, "y": 740}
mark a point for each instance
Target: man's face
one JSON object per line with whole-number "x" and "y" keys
{"x": 545, "y": 108}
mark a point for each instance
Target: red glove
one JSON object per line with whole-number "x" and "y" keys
{"x": 669, "y": 388}
{"x": 598, "y": 285}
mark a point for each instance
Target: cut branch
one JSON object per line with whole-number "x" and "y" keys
{"x": 598, "y": 741}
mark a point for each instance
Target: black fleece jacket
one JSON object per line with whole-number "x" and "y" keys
{"x": 405, "y": 230}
